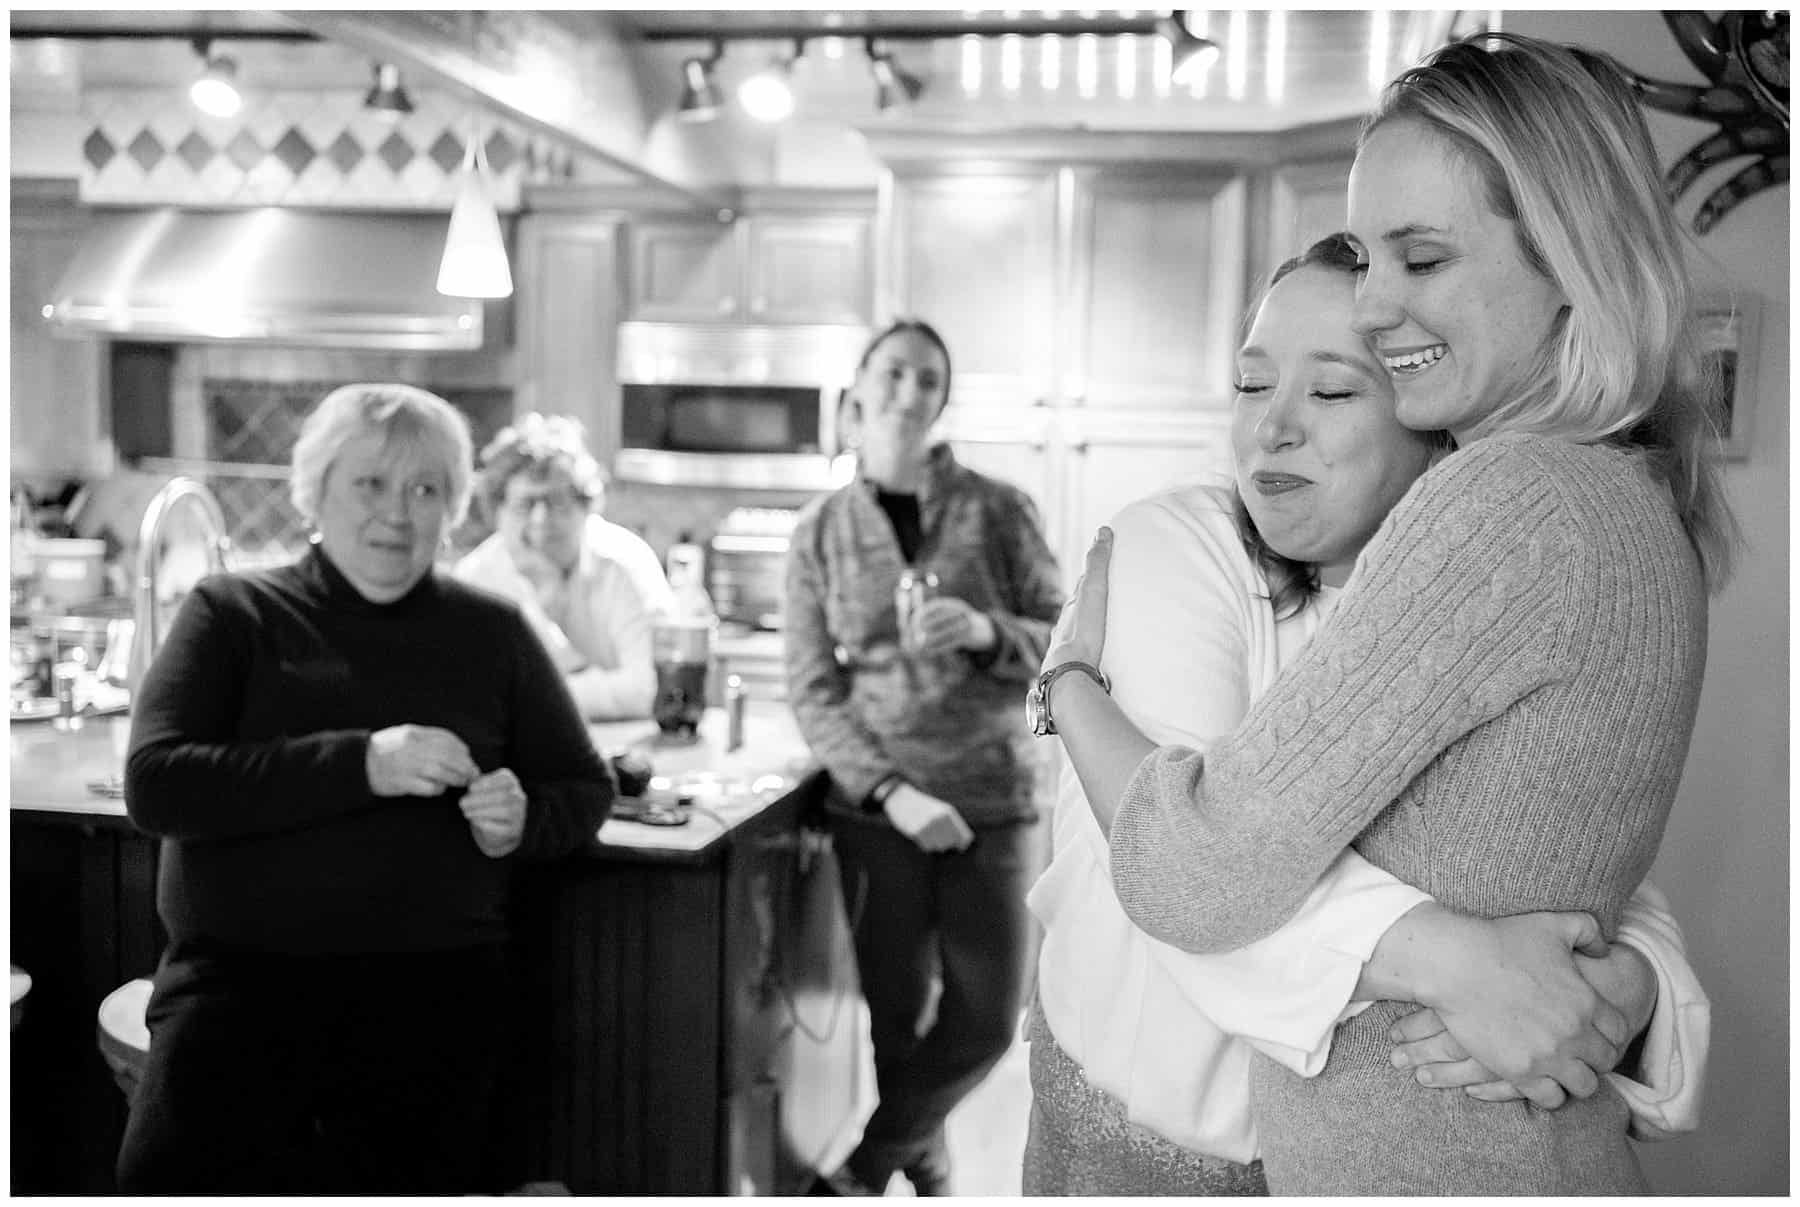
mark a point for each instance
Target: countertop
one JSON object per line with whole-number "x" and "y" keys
{"x": 52, "y": 770}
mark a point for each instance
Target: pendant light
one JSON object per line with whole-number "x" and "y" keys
{"x": 474, "y": 263}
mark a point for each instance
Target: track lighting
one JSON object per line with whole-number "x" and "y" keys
{"x": 387, "y": 97}
{"x": 1190, "y": 54}
{"x": 700, "y": 98}
{"x": 215, "y": 92}
{"x": 768, "y": 96}
{"x": 893, "y": 84}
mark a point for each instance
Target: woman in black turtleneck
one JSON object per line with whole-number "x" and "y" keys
{"x": 341, "y": 756}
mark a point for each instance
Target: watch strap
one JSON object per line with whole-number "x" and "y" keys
{"x": 1048, "y": 723}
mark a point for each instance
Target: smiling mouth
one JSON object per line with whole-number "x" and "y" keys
{"x": 1415, "y": 360}
{"x": 1268, "y": 483}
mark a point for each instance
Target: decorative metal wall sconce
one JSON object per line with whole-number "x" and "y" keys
{"x": 1744, "y": 55}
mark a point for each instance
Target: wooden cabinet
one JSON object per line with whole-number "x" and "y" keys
{"x": 1091, "y": 286}
{"x": 974, "y": 253}
{"x": 568, "y": 316}
{"x": 59, "y": 420}
{"x": 804, "y": 265}
{"x": 690, "y": 1025}
{"x": 807, "y": 268}
{"x": 1306, "y": 203}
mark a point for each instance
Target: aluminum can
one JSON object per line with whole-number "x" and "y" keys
{"x": 916, "y": 586}
{"x": 735, "y": 697}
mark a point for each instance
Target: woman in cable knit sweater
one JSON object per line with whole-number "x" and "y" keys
{"x": 1499, "y": 709}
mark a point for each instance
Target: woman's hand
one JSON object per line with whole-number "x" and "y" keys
{"x": 495, "y": 808}
{"x": 1622, "y": 976}
{"x": 1514, "y": 1002}
{"x": 934, "y": 825}
{"x": 417, "y": 760}
{"x": 1081, "y": 629}
{"x": 945, "y": 624}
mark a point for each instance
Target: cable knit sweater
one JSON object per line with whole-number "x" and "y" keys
{"x": 1498, "y": 713}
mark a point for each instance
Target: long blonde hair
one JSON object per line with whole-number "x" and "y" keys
{"x": 1563, "y": 152}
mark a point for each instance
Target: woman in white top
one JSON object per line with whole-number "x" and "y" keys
{"x": 591, "y": 589}
{"x": 1140, "y": 1052}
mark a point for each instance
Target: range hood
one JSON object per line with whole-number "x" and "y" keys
{"x": 270, "y": 275}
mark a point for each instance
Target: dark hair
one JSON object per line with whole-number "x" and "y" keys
{"x": 535, "y": 445}
{"x": 909, "y": 324}
{"x": 1294, "y": 584}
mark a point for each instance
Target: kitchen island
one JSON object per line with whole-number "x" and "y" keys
{"x": 688, "y": 1021}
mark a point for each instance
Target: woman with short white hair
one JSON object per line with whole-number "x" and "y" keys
{"x": 342, "y": 755}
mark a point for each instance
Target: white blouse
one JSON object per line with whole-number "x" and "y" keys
{"x": 1190, "y": 641}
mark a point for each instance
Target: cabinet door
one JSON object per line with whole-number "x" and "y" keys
{"x": 57, "y": 420}
{"x": 684, "y": 270}
{"x": 975, "y": 256}
{"x": 1010, "y": 441}
{"x": 1306, "y": 203}
{"x": 807, "y": 269}
{"x": 1108, "y": 464}
{"x": 1157, "y": 289}
{"x": 568, "y": 316}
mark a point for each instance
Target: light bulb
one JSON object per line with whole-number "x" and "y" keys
{"x": 767, "y": 96}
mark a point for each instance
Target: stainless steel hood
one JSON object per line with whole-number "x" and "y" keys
{"x": 270, "y": 275}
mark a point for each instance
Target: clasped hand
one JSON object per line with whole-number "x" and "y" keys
{"x": 946, "y": 624}
{"x": 1521, "y": 1015}
{"x": 427, "y": 760}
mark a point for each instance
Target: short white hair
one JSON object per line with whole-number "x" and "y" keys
{"x": 411, "y": 420}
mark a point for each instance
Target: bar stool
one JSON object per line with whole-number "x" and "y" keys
{"x": 21, "y": 985}
{"x": 124, "y": 1039}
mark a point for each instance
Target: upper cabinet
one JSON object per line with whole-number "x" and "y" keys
{"x": 787, "y": 259}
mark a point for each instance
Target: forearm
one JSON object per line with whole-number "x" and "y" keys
{"x": 1104, "y": 747}
{"x": 613, "y": 695}
{"x": 187, "y": 788}
{"x": 1407, "y": 963}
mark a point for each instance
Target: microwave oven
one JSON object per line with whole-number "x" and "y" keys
{"x": 733, "y": 405}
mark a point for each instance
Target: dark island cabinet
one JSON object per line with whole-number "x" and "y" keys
{"x": 689, "y": 1026}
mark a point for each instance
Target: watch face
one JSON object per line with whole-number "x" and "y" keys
{"x": 1034, "y": 710}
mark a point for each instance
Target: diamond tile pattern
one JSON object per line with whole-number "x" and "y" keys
{"x": 245, "y": 151}
{"x": 148, "y": 146}
{"x": 195, "y": 151}
{"x": 294, "y": 151}
{"x": 98, "y": 150}
{"x": 447, "y": 152}
{"x": 345, "y": 153}
{"x": 146, "y": 149}
{"x": 396, "y": 153}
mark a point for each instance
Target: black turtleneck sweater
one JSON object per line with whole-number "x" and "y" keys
{"x": 248, "y": 742}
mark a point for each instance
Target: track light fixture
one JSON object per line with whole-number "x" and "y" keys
{"x": 387, "y": 97}
{"x": 893, "y": 84}
{"x": 215, "y": 92}
{"x": 1190, "y": 54}
{"x": 700, "y": 98}
{"x": 768, "y": 96}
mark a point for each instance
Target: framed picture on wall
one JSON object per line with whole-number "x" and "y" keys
{"x": 1728, "y": 331}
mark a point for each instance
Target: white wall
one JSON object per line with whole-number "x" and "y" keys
{"x": 1724, "y": 861}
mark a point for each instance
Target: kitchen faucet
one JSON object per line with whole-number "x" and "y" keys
{"x": 178, "y": 495}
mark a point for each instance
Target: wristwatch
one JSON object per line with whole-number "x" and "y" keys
{"x": 1037, "y": 700}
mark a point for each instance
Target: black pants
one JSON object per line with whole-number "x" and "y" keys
{"x": 953, "y": 925}
{"x": 365, "y": 1074}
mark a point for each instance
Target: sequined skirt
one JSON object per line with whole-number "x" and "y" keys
{"x": 1081, "y": 1143}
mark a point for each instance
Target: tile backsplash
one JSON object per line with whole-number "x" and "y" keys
{"x": 302, "y": 148}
